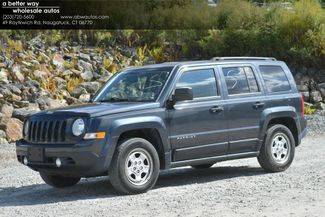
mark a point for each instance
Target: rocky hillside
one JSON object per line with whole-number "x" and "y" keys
{"x": 34, "y": 77}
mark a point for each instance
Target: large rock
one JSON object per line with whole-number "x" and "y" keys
{"x": 85, "y": 66}
{"x": 87, "y": 75}
{"x": 33, "y": 107}
{"x": 315, "y": 96}
{"x": 33, "y": 84}
{"x": 17, "y": 73}
{"x": 71, "y": 100}
{"x": 2, "y": 134}
{"x": 4, "y": 76}
{"x": 6, "y": 110}
{"x": 78, "y": 91}
{"x": 3, "y": 141}
{"x": 302, "y": 88}
{"x": 104, "y": 75}
{"x": 84, "y": 97}
{"x": 67, "y": 72}
{"x": 14, "y": 97}
{"x": 76, "y": 72}
{"x": 22, "y": 113}
{"x": 60, "y": 82}
{"x": 40, "y": 74}
{"x": 48, "y": 103}
{"x": 58, "y": 61}
{"x": 91, "y": 87}
{"x": 5, "y": 92}
{"x": 21, "y": 104}
{"x": 13, "y": 129}
{"x": 320, "y": 106}
{"x": 84, "y": 57}
{"x": 14, "y": 89}
{"x": 55, "y": 103}
{"x": 3, "y": 122}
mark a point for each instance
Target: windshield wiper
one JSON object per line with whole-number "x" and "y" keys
{"x": 114, "y": 99}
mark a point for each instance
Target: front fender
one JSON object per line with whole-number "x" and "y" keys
{"x": 122, "y": 125}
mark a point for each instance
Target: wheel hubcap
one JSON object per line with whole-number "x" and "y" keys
{"x": 280, "y": 148}
{"x": 138, "y": 166}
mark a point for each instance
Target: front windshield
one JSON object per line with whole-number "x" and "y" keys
{"x": 135, "y": 85}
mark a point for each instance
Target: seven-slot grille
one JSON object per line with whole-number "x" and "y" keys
{"x": 46, "y": 131}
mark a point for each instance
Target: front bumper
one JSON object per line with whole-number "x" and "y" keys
{"x": 79, "y": 160}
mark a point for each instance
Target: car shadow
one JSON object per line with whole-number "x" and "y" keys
{"x": 94, "y": 188}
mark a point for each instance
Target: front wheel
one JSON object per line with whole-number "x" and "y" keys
{"x": 278, "y": 150}
{"x": 135, "y": 166}
{"x": 59, "y": 181}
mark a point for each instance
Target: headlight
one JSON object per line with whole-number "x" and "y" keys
{"x": 26, "y": 126}
{"x": 78, "y": 127}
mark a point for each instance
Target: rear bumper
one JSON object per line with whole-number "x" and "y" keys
{"x": 80, "y": 160}
{"x": 303, "y": 129}
{"x": 303, "y": 134}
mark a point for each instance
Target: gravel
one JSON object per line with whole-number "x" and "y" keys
{"x": 239, "y": 188}
{"x": 316, "y": 124}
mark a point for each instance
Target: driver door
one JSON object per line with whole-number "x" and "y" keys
{"x": 198, "y": 128}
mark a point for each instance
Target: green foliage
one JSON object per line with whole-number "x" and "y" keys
{"x": 233, "y": 28}
{"x": 296, "y": 36}
{"x": 309, "y": 110}
{"x": 15, "y": 45}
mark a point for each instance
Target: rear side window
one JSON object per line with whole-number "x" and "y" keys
{"x": 202, "y": 82}
{"x": 240, "y": 80}
{"x": 275, "y": 79}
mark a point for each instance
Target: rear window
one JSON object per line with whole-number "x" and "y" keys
{"x": 275, "y": 79}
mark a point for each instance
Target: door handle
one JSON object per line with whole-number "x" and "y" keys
{"x": 216, "y": 109}
{"x": 258, "y": 105}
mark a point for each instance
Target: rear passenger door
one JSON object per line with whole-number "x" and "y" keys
{"x": 245, "y": 103}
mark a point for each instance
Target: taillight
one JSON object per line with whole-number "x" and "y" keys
{"x": 302, "y": 105}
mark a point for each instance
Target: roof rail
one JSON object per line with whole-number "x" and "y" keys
{"x": 243, "y": 58}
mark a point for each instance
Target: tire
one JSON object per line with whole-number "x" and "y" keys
{"x": 135, "y": 166}
{"x": 59, "y": 181}
{"x": 273, "y": 156}
{"x": 202, "y": 166}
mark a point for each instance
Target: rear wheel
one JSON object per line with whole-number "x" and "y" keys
{"x": 135, "y": 166}
{"x": 202, "y": 166}
{"x": 278, "y": 150}
{"x": 59, "y": 181}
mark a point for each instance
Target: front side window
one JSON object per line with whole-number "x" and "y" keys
{"x": 275, "y": 79}
{"x": 202, "y": 82}
{"x": 240, "y": 80}
{"x": 135, "y": 85}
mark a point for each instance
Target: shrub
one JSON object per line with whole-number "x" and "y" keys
{"x": 309, "y": 110}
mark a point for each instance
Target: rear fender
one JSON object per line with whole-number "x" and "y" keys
{"x": 276, "y": 112}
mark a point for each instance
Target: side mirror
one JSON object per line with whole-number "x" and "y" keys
{"x": 182, "y": 94}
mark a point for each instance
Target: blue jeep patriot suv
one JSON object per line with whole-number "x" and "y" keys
{"x": 161, "y": 116}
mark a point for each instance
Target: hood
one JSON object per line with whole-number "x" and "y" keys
{"x": 100, "y": 109}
